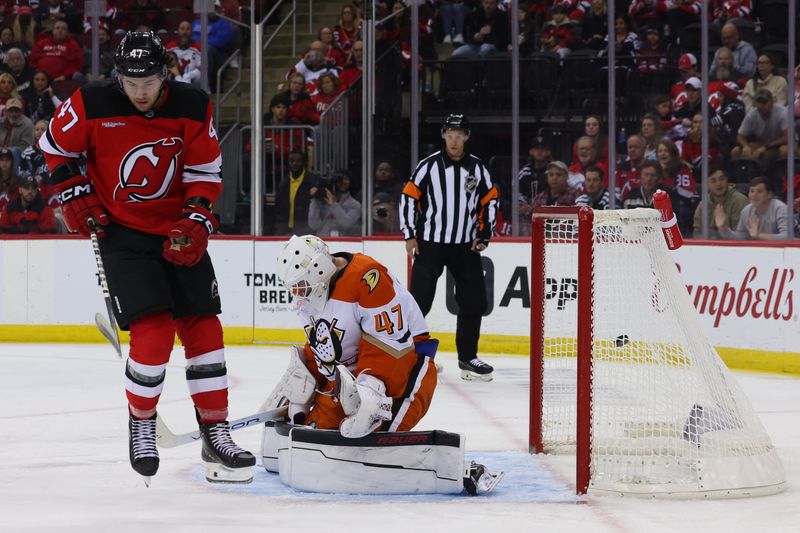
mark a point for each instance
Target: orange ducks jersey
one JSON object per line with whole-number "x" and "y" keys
{"x": 368, "y": 324}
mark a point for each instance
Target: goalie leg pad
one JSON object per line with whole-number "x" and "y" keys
{"x": 419, "y": 462}
{"x": 274, "y": 440}
{"x": 296, "y": 387}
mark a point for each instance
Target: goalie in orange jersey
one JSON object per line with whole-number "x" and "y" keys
{"x": 368, "y": 355}
{"x": 367, "y": 367}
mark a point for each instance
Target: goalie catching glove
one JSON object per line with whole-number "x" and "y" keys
{"x": 79, "y": 202}
{"x": 364, "y": 401}
{"x": 187, "y": 241}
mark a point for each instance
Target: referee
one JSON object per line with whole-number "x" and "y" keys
{"x": 447, "y": 213}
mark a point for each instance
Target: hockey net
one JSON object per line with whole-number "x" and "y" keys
{"x": 622, "y": 373}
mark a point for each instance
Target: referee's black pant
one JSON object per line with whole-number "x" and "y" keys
{"x": 465, "y": 265}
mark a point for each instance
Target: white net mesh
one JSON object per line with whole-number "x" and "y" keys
{"x": 667, "y": 415}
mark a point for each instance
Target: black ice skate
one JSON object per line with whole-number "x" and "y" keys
{"x": 475, "y": 370}
{"x": 225, "y": 461}
{"x": 142, "y": 446}
{"x": 478, "y": 479}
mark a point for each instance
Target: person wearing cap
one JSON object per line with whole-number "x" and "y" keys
{"x": 687, "y": 68}
{"x": 558, "y": 191}
{"x": 24, "y": 28}
{"x": 653, "y": 57}
{"x": 693, "y": 103}
{"x": 27, "y": 213}
{"x": 16, "y": 130}
{"x": 764, "y": 130}
{"x": 58, "y": 55}
{"x": 532, "y": 178}
{"x": 765, "y": 78}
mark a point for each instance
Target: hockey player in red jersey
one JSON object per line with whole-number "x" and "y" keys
{"x": 152, "y": 172}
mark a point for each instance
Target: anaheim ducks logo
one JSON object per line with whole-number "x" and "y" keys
{"x": 325, "y": 341}
{"x": 148, "y": 170}
{"x": 371, "y": 278}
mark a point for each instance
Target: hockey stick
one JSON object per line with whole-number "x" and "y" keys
{"x": 107, "y": 327}
{"x": 165, "y": 438}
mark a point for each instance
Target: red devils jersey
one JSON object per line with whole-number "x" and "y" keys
{"x": 143, "y": 165}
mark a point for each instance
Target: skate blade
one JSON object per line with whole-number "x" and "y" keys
{"x": 217, "y": 473}
{"x": 467, "y": 375}
{"x": 147, "y": 481}
{"x": 487, "y": 486}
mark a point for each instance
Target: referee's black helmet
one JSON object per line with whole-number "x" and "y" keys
{"x": 140, "y": 54}
{"x": 455, "y": 122}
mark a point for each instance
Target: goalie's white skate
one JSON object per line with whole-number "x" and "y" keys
{"x": 478, "y": 479}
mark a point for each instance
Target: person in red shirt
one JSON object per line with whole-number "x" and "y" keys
{"x": 58, "y": 55}
{"x": 328, "y": 91}
{"x": 352, "y": 72}
{"x": 627, "y": 176}
{"x": 153, "y": 167}
{"x": 28, "y": 213}
{"x": 301, "y": 109}
{"x": 587, "y": 157}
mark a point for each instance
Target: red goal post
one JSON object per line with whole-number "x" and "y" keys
{"x": 622, "y": 373}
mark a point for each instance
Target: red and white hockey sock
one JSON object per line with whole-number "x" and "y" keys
{"x": 206, "y": 374}
{"x": 152, "y": 338}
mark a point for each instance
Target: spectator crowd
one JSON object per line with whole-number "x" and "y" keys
{"x": 45, "y": 54}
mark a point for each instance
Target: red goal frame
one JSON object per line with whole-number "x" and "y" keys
{"x": 585, "y": 219}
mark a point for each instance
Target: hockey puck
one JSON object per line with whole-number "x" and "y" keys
{"x": 621, "y": 341}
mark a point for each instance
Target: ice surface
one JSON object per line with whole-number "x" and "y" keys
{"x": 64, "y": 464}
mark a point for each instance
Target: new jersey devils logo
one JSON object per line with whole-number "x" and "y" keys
{"x": 147, "y": 171}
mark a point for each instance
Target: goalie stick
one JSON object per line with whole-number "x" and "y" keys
{"x": 166, "y": 438}
{"x": 107, "y": 327}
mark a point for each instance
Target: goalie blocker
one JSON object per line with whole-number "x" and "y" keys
{"x": 414, "y": 462}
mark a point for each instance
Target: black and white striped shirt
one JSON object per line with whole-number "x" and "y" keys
{"x": 449, "y": 202}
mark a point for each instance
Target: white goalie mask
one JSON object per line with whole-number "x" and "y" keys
{"x": 304, "y": 267}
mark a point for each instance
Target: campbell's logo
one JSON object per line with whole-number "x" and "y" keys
{"x": 743, "y": 299}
